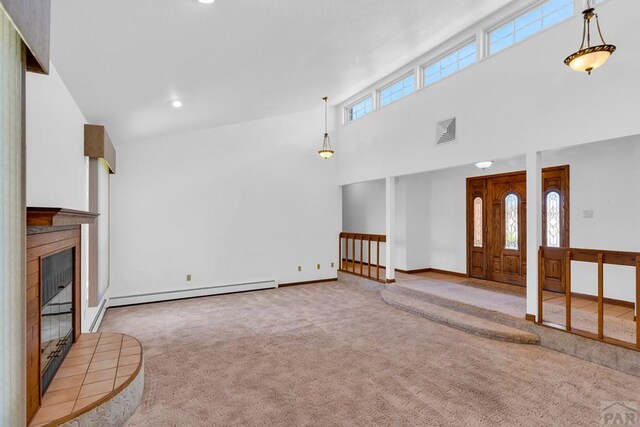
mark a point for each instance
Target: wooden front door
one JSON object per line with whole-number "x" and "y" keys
{"x": 507, "y": 231}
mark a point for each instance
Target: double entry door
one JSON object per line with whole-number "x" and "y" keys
{"x": 497, "y": 225}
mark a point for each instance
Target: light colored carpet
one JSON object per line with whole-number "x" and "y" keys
{"x": 334, "y": 354}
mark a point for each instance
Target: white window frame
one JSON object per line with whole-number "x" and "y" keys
{"x": 486, "y": 53}
{"x": 346, "y": 118}
{"x": 396, "y": 80}
{"x": 423, "y": 66}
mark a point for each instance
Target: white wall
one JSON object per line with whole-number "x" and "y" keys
{"x": 517, "y": 101}
{"x": 57, "y": 170}
{"x": 235, "y": 204}
{"x": 363, "y": 207}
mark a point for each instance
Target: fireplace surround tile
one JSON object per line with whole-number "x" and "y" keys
{"x": 64, "y": 383}
{"x": 113, "y": 354}
{"x": 96, "y": 388}
{"x": 72, "y": 371}
{"x": 70, "y": 361}
{"x": 107, "y": 347}
{"x": 105, "y": 374}
{"x": 103, "y": 364}
{"x": 86, "y": 401}
{"x": 60, "y": 396}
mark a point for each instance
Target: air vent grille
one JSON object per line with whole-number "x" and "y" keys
{"x": 446, "y": 131}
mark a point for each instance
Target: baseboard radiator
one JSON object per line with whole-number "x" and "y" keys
{"x": 190, "y": 293}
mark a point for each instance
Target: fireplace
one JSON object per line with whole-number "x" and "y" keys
{"x": 53, "y": 294}
{"x": 56, "y": 323}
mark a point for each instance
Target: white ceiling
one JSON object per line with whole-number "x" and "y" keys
{"x": 236, "y": 60}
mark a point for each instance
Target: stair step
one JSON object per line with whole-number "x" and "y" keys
{"x": 455, "y": 319}
{"x": 460, "y": 306}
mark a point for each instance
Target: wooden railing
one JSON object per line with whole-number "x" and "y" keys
{"x": 563, "y": 257}
{"x": 348, "y": 260}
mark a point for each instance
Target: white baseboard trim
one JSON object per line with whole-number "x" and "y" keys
{"x": 190, "y": 293}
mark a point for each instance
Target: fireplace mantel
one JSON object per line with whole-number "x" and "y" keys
{"x": 58, "y": 217}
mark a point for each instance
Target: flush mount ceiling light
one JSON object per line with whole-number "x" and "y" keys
{"x": 206, "y": 1}
{"x": 326, "y": 151}
{"x": 176, "y": 104}
{"x": 484, "y": 165}
{"x": 588, "y": 58}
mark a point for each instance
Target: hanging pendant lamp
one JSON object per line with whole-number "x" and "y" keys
{"x": 588, "y": 58}
{"x": 326, "y": 151}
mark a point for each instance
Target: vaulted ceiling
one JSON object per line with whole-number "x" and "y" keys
{"x": 124, "y": 61}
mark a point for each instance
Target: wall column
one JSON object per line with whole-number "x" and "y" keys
{"x": 12, "y": 227}
{"x": 534, "y": 228}
{"x": 390, "y": 185}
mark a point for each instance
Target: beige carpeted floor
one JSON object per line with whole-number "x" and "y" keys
{"x": 334, "y": 354}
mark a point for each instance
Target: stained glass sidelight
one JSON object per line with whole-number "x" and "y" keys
{"x": 511, "y": 221}
{"x": 553, "y": 219}
{"x": 477, "y": 222}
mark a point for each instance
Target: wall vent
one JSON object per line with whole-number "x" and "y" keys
{"x": 446, "y": 131}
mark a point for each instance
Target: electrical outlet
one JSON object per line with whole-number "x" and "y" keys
{"x": 332, "y": 264}
{"x": 299, "y": 268}
{"x": 188, "y": 277}
{"x": 318, "y": 266}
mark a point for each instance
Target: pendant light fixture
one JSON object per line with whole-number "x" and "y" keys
{"x": 326, "y": 151}
{"x": 588, "y": 58}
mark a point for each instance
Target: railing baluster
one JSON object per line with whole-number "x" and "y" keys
{"x": 378, "y": 258}
{"x": 568, "y": 289}
{"x": 361, "y": 256}
{"x": 600, "y": 296}
{"x": 353, "y": 251}
{"x": 346, "y": 253}
{"x": 369, "y": 257}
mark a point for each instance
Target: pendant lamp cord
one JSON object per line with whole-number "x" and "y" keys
{"x": 325, "y": 114}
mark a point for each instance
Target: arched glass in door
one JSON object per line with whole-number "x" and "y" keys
{"x": 553, "y": 219}
{"x": 511, "y": 221}
{"x": 477, "y": 222}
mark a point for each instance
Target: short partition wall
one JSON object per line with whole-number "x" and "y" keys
{"x": 556, "y": 262}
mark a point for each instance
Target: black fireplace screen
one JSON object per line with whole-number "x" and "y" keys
{"x": 57, "y": 317}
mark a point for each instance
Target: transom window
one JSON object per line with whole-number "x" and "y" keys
{"x": 529, "y": 23}
{"x": 359, "y": 109}
{"x": 511, "y": 221}
{"x": 397, "y": 90}
{"x": 450, "y": 64}
{"x": 553, "y": 219}
{"x": 477, "y": 222}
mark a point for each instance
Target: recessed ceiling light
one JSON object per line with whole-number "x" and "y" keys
{"x": 176, "y": 104}
{"x": 206, "y": 1}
